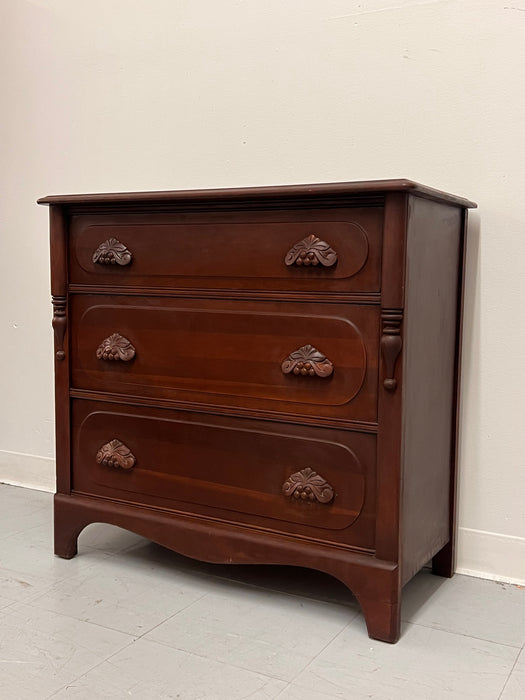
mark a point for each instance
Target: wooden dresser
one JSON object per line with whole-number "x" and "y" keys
{"x": 263, "y": 375}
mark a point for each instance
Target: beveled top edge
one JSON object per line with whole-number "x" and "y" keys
{"x": 337, "y": 189}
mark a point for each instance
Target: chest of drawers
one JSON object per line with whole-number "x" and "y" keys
{"x": 263, "y": 375}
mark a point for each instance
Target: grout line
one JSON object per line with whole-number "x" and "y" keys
{"x": 288, "y": 685}
{"x": 48, "y": 587}
{"x": 350, "y": 622}
{"x": 134, "y": 637}
{"x": 463, "y": 634}
{"x": 103, "y": 661}
{"x": 170, "y": 617}
{"x": 216, "y": 661}
{"x": 510, "y": 673}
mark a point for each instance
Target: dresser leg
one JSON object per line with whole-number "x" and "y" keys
{"x": 383, "y": 620}
{"x": 65, "y": 541}
{"x": 65, "y": 549}
{"x": 67, "y": 529}
{"x": 443, "y": 563}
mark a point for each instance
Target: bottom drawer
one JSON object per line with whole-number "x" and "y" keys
{"x": 313, "y": 482}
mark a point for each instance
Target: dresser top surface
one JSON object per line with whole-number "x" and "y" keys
{"x": 336, "y": 190}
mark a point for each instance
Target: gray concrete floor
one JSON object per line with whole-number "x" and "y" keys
{"x": 129, "y": 619}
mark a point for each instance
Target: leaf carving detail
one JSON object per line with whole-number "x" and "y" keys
{"x": 116, "y": 347}
{"x": 115, "y": 454}
{"x": 311, "y": 251}
{"x": 307, "y": 485}
{"x": 307, "y": 361}
{"x": 112, "y": 252}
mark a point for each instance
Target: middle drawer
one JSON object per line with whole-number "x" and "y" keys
{"x": 311, "y": 359}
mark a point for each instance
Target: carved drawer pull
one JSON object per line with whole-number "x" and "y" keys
{"x": 311, "y": 251}
{"x": 112, "y": 252}
{"x": 116, "y": 347}
{"x": 115, "y": 454}
{"x": 307, "y": 361}
{"x": 307, "y": 485}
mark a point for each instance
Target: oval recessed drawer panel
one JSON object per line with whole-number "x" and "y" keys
{"x": 317, "y": 250}
{"x": 320, "y": 482}
{"x": 313, "y": 359}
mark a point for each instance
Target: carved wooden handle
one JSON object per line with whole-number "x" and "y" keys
{"x": 307, "y": 361}
{"x": 311, "y": 251}
{"x": 307, "y": 485}
{"x": 112, "y": 252}
{"x": 391, "y": 345}
{"x": 115, "y": 454}
{"x": 116, "y": 347}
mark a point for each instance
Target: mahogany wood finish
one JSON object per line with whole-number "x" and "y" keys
{"x": 208, "y": 248}
{"x": 228, "y": 468}
{"x": 286, "y": 376}
{"x": 231, "y": 352}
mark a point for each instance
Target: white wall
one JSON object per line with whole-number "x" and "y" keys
{"x": 167, "y": 94}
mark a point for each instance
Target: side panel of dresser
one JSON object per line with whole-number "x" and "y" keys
{"x": 59, "y": 294}
{"x": 434, "y": 263}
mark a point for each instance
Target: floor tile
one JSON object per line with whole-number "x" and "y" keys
{"x": 466, "y": 605}
{"x": 515, "y": 687}
{"x": 40, "y": 535}
{"x": 108, "y": 538}
{"x": 426, "y": 664}
{"x": 101, "y": 536}
{"x": 149, "y": 671}
{"x": 26, "y": 571}
{"x": 289, "y": 579}
{"x": 19, "y": 554}
{"x": 226, "y": 632}
{"x": 274, "y": 634}
{"x": 15, "y": 500}
{"x": 21, "y": 509}
{"x": 40, "y": 652}
{"x": 123, "y": 593}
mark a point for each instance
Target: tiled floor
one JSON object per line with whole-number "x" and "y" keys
{"x": 129, "y": 619}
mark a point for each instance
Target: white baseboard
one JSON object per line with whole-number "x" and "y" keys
{"x": 481, "y": 554}
{"x": 491, "y": 555}
{"x": 30, "y": 471}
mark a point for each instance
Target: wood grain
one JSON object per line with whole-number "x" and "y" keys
{"x": 230, "y": 353}
{"x": 230, "y": 250}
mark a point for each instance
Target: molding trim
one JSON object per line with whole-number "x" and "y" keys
{"x": 491, "y": 555}
{"x": 30, "y": 471}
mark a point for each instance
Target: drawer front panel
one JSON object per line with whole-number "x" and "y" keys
{"x": 315, "y": 359}
{"x": 234, "y": 469}
{"x": 252, "y": 250}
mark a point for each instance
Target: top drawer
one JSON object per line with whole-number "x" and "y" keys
{"x": 336, "y": 250}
